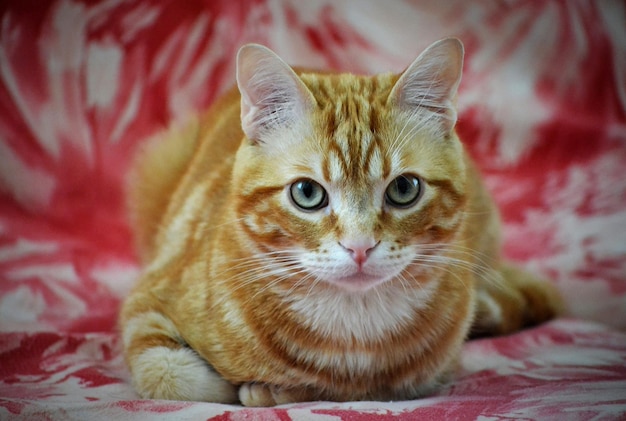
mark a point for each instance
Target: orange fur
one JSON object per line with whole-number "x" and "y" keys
{"x": 248, "y": 296}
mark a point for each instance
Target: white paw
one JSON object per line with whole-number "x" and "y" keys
{"x": 256, "y": 394}
{"x": 179, "y": 374}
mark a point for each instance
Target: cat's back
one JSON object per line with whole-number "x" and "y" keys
{"x": 175, "y": 161}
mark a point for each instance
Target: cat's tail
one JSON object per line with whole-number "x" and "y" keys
{"x": 514, "y": 299}
{"x": 157, "y": 170}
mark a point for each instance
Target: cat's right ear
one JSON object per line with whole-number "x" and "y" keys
{"x": 272, "y": 94}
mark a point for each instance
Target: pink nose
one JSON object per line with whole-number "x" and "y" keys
{"x": 359, "y": 249}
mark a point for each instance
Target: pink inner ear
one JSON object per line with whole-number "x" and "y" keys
{"x": 272, "y": 95}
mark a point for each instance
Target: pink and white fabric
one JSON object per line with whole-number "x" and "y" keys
{"x": 542, "y": 109}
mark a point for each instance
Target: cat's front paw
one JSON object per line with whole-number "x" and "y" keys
{"x": 256, "y": 394}
{"x": 261, "y": 394}
{"x": 179, "y": 374}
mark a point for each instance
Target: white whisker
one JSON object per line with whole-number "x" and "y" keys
{"x": 448, "y": 256}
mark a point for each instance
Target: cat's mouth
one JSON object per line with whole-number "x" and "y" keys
{"x": 358, "y": 282}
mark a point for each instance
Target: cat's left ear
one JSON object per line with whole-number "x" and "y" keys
{"x": 431, "y": 82}
{"x": 272, "y": 94}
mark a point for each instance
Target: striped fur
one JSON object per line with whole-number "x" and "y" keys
{"x": 245, "y": 296}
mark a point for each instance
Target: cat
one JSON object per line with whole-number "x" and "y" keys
{"x": 317, "y": 236}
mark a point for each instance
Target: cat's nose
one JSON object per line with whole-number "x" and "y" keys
{"x": 359, "y": 249}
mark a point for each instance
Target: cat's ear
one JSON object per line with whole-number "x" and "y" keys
{"x": 431, "y": 82}
{"x": 272, "y": 94}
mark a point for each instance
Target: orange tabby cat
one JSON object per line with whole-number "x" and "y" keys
{"x": 317, "y": 236}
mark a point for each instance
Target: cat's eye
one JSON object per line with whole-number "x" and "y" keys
{"x": 403, "y": 191}
{"x": 308, "y": 195}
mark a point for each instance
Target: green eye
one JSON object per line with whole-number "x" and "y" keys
{"x": 308, "y": 195}
{"x": 403, "y": 191}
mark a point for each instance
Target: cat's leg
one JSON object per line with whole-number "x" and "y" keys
{"x": 512, "y": 299}
{"x": 261, "y": 394}
{"x": 164, "y": 367}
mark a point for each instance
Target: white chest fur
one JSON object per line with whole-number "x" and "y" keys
{"x": 364, "y": 317}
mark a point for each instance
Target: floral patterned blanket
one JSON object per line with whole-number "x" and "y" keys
{"x": 542, "y": 109}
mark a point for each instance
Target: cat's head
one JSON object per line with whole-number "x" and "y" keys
{"x": 347, "y": 179}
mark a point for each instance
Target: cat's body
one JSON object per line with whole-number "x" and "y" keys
{"x": 339, "y": 247}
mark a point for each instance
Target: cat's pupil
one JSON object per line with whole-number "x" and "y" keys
{"x": 307, "y": 189}
{"x": 403, "y": 186}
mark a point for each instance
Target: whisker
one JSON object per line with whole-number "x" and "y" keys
{"x": 482, "y": 257}
{"x": 316, "y": 280}
{"x": 443, "y": 268}
{"x": 442, "y": 261}
{"x": 274, "y": 282}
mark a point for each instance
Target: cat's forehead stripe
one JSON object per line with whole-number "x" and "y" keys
{"x": 350, "y": 109}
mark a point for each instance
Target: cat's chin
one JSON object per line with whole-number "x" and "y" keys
{"x": 359, "y": 282}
